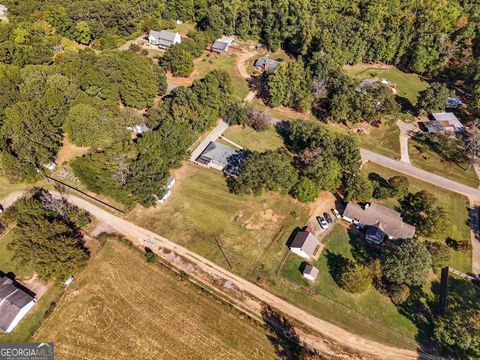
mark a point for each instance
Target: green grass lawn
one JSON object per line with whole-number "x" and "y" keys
{"x": 372, "y": 304}
{"x": 7, "y": 263}
{"x": 407, "y": 85}
{"x": 226, "y": 62}
{"x": 383, "y": 139}
{"x": 252, "y": 230}
{"x": 455, "y": 205}
{"x": 254, "y": 140}
{"x": 433, "y": 162}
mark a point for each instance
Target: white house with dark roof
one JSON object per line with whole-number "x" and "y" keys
{"x": 380, "y": 221}
{"x": 304, "y": 244}
{"x": 15, "y": 303}
{"x": 164, "y": 38}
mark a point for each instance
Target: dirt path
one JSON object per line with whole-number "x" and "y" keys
{"x": 142, "y": 237}
{"x": 241, "y": 63}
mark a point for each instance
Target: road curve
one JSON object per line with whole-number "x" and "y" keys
{"x": 142, "y": 237}
{"x": 409, "y": 169}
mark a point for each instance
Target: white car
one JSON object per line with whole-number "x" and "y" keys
{"x": 322, "y": 222}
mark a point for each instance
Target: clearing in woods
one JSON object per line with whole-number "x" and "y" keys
{"x": 120, "y": 307}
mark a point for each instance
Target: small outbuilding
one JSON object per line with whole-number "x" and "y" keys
{"x": 310, "y": 272}
{"x": 264, "y": 63}
{"x": 304, "y": 244}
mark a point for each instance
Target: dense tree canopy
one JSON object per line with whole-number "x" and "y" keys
{"x": 406, "y": 262}
{"x": 420, "y": 209}
{"x": 47, "y": 237}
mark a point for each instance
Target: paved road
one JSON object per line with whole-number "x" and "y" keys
{"x": 212, "y": 136}
{"x": 142, "y": 237}
{"x": 411, "y": 170}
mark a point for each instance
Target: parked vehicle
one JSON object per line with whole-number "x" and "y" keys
{"x": 322, "y": 222}
{"x": 328, "y": 217}
{"x": 336, "y": 213}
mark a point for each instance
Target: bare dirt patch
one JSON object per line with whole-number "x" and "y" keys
{"x": 69, "y": 151}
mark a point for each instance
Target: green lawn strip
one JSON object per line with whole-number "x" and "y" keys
{"x": 33, "y": 320}
{"x": 455, "y": 205}
{"x": 407, "y": 85}
{"x": 383, "y": 139}
{"x": 376, "y": 307}
{"x": 254, "y": 140}
{"x": 434, "y": 163}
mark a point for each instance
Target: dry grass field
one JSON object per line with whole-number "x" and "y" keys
{"x": 120, "y": 307}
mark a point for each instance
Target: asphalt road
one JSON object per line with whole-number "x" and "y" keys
{"x": 409, "y": 169}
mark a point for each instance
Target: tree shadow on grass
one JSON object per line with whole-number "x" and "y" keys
{"x": 361, "y": 250}
{"x": 335, "y": 263}
{"x": 406, "y": 106}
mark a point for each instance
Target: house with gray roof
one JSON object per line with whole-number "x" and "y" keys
{"x": 216, "y": 155}
{"x": 304, "y": 244}
{"x": 380, "y": 221}
{"x": 164, "y": 38}
{"x": 15, "y": 303}
{"x": 264, "y": 63}
{"x": 222, "y": 45}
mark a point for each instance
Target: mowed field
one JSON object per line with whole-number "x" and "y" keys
{"x": 254, "y": 140}
{"x": 120, "y": 307}
{"x": 204, "y": 216}
{"x": 407, "y": 85}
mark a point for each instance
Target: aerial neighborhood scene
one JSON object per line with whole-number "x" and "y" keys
{"x": 232, "y": 179}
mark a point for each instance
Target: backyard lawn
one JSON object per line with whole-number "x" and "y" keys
{"x": 455, "y": 205}
{"x": 203, "y": 215}
{"x": 120, "y": 307}
{"x": 226, "y": 62}
{"x": 407, "y": 85}
{"x": 433, "y": 162}
{"x": 254, "y": 140}
{"x": 372, "y": 303}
